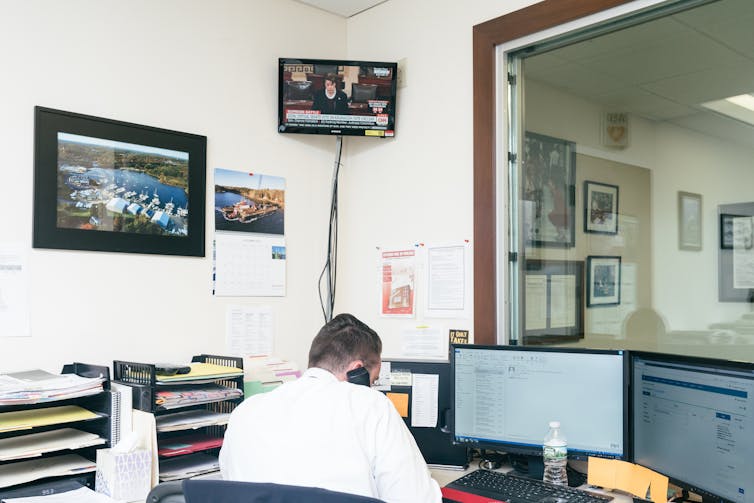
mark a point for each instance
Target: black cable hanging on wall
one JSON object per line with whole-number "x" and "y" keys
{"x": 329, "y": 271}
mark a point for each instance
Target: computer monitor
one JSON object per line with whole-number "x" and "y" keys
{"x": 505, "y": 396}
{"x": 693, "y": 420}
{"x": 428, "y": 407}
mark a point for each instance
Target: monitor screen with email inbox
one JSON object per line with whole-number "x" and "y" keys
{"x": 505, "y": 396}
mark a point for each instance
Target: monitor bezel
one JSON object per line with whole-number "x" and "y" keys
{"x": 387, "y": 132}
{"x": 714, "y": 363}
{"x": 536, "y": 450}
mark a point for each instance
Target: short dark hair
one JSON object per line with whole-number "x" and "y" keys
{"x": 342, "y": 340}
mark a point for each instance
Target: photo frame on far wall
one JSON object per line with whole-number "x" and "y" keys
{"x": 600, "y": 208}
{"x": 689, "y": 221}
{"x": 549, "y": 191}
{"x": 107, "y": 185}
{"x": 726, "y": 230}
{"x": 553, "y": 301}
{"x": 603, "y": 278}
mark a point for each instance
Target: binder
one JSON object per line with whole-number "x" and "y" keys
{"x": 120, "y": 412}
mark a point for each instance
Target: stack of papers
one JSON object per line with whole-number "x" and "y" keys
{"x": 34, "y": 418}
{"x": 264, "y": 373}
{"x": 186, "y": 444}
{"x": 184, "y": 396}
{"x": 35, "y": 386}
{"x": 191, "y": 419}
{"x": 36, "y": 444}
{"x": 202, "y": 371}
{"x": 27, "y": 471}
{"x": 184, "y": 467}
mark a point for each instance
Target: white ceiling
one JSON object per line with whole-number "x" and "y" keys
{"x": 344, "y": 8}
{"x": 664, "y": 69}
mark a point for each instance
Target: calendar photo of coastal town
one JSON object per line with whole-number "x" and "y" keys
{"x": 106, "y": 185}
{"x": 249, "y": 202}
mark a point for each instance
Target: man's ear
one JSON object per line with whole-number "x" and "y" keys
{"x": 354, "y": 365}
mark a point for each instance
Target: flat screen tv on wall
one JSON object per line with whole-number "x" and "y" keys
{"x": 336, "y": 97}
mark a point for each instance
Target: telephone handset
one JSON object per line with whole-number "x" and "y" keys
{"x": 359, "y": 376}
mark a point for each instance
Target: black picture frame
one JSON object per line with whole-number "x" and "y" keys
{"x": 548, "y": 191}
{"x": 600, "y": 208}
{"x": 603, "y": 280}
{"x": 726, "y": 230}
{"x": 731, "y": 261}
{"x": 87, "y": 192}
{"x": 553, "y": 301}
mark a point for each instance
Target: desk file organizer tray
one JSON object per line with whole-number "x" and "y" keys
{"x": 100, "y": 403}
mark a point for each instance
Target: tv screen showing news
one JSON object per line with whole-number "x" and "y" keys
{"x": 318, "y": 96}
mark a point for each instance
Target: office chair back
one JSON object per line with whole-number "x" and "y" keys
{"x": 167, "y": 492}
{"x": 231, "y": 491}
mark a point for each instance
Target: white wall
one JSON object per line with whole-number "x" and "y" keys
{"x": 416, "y": 187}
{"x": 202, "y": 67}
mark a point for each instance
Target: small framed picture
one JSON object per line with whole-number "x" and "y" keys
{"x": 600, "y": 208}
{"x": 689, "y": 221}
{"x": 726, "y": 230}
{"x": 602, "y": 281}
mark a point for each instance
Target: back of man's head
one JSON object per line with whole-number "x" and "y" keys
{"x": 343, "y": 340}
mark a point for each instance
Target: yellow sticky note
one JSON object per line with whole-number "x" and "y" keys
{"x": 624, "y": 472}
{"x": 601, "y": 472}
{"x": 400, "y": 400}
{"x": 640, "y": 482}
{"x": 658, "y": 489}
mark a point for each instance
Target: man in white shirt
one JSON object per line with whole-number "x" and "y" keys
{"x": 323, "y": 431}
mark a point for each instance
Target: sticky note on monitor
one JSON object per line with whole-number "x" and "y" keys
{"x": 400, "y": 400}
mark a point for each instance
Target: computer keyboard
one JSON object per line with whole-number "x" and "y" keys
{"x": 513, "y": 489}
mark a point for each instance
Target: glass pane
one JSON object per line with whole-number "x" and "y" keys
{"x": 636, "y": 211}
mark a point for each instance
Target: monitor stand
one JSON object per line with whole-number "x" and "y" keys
{"x": 533, "y": 467}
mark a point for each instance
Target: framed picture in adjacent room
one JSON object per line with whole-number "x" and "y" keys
{"x": 735, "y": 258}
{"x": 689, "y": 221}
{"x": 603, "y": 276}
{"x": 553, "y": 301}
{"x": 600, "y": 208}
{"x": 548, "y": 191}
{"x": 107, "y": 185}
{"x": 727, "y": 222}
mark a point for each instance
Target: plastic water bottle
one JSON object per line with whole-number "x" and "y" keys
{"x": 555, "y": 454}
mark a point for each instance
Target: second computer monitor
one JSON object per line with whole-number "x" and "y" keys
{"x": 505, "y": 396}
{"x": 693, "y": 420}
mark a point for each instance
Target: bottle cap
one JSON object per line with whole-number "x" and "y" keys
{"x": 554, "y": 424}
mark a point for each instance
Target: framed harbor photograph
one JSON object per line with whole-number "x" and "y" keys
{"x": 549, "y": 191}
{"x": 600, "y": 208}
{"x": 553, "y": 301}
{"x": 603, "y": 277}
{"x": 107, "y": 185}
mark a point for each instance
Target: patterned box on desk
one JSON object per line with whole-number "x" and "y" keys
{"x": 124, "y": 476}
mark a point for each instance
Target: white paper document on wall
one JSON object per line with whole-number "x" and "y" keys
{"x": 249, "y": 330}
{"x": 15, "y": 320}
{"x": 536, "y": 301}
{"x": 424, "y": 343}
{"x": 249, "y": 265}
{"x": 448, "y": 281}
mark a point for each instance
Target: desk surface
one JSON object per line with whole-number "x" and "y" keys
{"x": 444, "y": 477}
